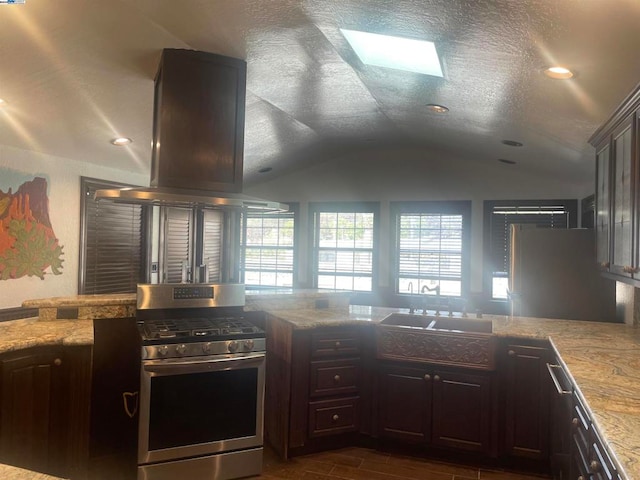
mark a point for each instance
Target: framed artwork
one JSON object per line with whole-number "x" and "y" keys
{"x": 28, "y": 245}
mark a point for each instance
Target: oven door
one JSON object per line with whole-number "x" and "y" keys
{"x": 200, "y": 406}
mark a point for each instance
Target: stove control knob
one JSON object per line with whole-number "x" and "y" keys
{"x": 248, "y": 345}
{"x": 181, "y": 349}
{"x": 163, "y": 350}
{"x": 206, "y": 347}
{"x": 233, "y": 346}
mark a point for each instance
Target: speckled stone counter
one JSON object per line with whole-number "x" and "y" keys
{"x": 8, "y": 472}
{"x": 31, "y": 332}
{"x": 84, "y": 307}
{"x": 602, "y": 358}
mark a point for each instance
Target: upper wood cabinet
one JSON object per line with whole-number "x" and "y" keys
{"x": 617, "y": 211}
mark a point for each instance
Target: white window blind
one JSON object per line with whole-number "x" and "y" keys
{"x": 112, "y": 243}
{"x": 269, "y": 249}
{"x": 178, "y": 237}
{"x": 344, "y": 248}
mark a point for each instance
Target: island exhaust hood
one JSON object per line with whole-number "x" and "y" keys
{"x": 198, "y": 136}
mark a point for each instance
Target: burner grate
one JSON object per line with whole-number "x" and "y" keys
{"x": 200, "y": 328}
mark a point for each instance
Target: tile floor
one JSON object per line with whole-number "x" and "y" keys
{"x": 364, "y": 464}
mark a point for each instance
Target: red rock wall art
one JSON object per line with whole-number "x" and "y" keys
{"x": 28, "y": 246}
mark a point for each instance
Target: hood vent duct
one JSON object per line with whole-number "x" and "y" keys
{"x": 198, "y": 136}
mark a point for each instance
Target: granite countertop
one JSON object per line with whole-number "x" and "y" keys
{"x": 7, "y": 472}
{"x": 82, "y": 300}
{"x": 30, "y": 332}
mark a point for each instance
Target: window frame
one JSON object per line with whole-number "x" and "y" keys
{"x": 294, "y": 208}
{"x": 316, "y": 208}
{"x": 496, "y": 305}
{"x": 443, "y": 207}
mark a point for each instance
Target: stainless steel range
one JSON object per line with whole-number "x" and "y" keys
{"x": 202, "y": 383}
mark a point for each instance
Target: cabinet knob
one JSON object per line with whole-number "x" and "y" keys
{"x": 57, "y": 362}
{"x": 436, "y": 378}
{"x": 574, "y": 423}
{"x": 580, "y": 477}
{"x": 336, "y": 378}
{"x": 512, "y": 353}
{"x": 427, "y": 377}
{"x": 338, "y": 344}
{"x": 595, "y": 466}
{"x": 335, "y": 417}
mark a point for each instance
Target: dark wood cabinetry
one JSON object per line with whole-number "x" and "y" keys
{"x": 315, "y": 391}
{"x": 526, "y": 385}
{"x": 617, "y": 214}
{"x": 44, "y": 409}
{"x": 443, "y": 407}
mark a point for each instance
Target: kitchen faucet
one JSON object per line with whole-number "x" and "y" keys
{"x": 425, "y": 289}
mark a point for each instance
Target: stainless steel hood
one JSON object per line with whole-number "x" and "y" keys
{"x": 198, "y": 136}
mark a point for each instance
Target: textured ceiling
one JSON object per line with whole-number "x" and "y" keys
{"x": 78, "y": 72}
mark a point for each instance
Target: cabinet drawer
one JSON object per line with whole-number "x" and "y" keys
{"x": 334, "y": 377}
{"x": 580, "y": 425}
{"x": 330, "y": 417}
{"x": 342, "y": 342}
{"x": 600, "y": 464}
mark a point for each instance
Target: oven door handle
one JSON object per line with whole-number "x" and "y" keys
{"x": 201, "y": 364}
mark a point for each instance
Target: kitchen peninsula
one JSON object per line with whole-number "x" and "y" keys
{"x": 602, "y": 359}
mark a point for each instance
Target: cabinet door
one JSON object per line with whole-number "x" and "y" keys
{"x": 405, "y": 403}
{"x": 32, "y": 410}
{"x": 462, "y": 410}
{"x": 623, "y": 261}
{"x": 603, "y": 205}
{"x": 527, "y": 401}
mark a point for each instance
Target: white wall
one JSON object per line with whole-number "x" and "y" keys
{"x": 405, "y": 175}
{"x": 64, "y": 211}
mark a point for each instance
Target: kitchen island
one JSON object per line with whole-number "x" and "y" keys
{"x": 603, "y": 359}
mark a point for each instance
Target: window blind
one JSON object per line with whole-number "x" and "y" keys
{"x": 212, "y": 244}
{"x": 178, "y": 235}
{"x": 269, "y": 248}
{"x": 112, "y": 243}
{"x": 344, "y": 246}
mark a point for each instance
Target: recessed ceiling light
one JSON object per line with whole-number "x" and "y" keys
{"x": 121, "y": 141}
{"x": 558, "y": 73}
{"x": 265, "y": 170}
{"x": 512, "y": 143}
{"x": 508, "y": 162}
{"x": 406, "y": 54}
{"x": 437, "y": 108}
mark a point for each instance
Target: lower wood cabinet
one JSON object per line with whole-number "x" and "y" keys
{"x": 526, "y": 386}
{"x": 44, "y": 409}
{"x": 443, "y": 407}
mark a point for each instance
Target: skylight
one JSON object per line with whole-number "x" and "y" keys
{"x": 406, "y": 54}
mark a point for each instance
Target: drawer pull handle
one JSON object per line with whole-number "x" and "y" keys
{"x": 436, "y": 378}
{"x": 335, "y": 417}
{"x": 57, "y": 362}
{"x": 427, "y": 377}
{"x": 130, "y": 400}
{"x": 556, "y": 383}
{"x": 336, "y": 378}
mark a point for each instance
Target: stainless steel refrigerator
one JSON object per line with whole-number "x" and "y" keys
{"x": 554, "y": 274}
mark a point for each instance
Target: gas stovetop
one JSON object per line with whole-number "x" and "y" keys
{"x": 199, "y": 329}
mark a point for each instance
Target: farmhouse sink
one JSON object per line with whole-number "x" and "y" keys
{"x": 453, "y": 341}
{"x": 453, "y": 324}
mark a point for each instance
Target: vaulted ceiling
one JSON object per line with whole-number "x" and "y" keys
{"x": 76, "y": 73}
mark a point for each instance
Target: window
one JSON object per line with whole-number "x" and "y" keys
{"x": 113, "y": 245}
{"x": 499, "y": 215}
{"x": 269, "y": 248}
{"x": 432, "y": 246}
{"x": 344, "y": 241}
{"x": 180, "y": 242}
